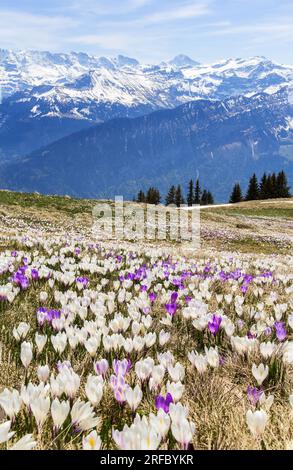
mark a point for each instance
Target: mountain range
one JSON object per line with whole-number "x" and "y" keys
{"x": 97, "y": 126}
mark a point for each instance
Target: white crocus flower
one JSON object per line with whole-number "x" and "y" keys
{"x": 5, "y": 433}
{"x": 267, "y": 349}
{"x": 256, "y": 421}
{"x": 163, "y": 337}
{"x": 266, "y": 402}
{"x": 176, "y": 372}
{"x": 94, "y": 389}
{"x": 183, "y": 432}
{"x": 133, "y": 397}
{"x": 40, "y": 341}
{"x": 83, "y": 417}
{"x": 177, "y": 412}
{"x": 260, "y": 372}
{"x": 176, "y": 389}
{"x": 59, "y": 412}
{"x": 21, "y": 331}
{"x": 25, "y": 443}
{"x": 212, "y": 356}
{"x": 92, "y": 441}
{"x": 59, "y": 342}
{"x": 161, "y": 422}
{"x": 43, "y": 296}
{"x": 40, "y": 409}
{"x": 43, "y": 373}
{"x": 26, "y": 354}
{"x": 199, "y": 361}
{"x": 11, "y": 402}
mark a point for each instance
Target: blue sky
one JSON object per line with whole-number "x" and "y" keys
{"x": 152, "y": 30}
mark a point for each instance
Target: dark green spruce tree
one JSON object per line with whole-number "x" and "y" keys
{"x": 153, "y": 196}
{"x": 179, "y": 199}
{"x": 263, "y": 187}
{"x": 204, "y": 198}
{"x": 253, "y": 189}
{"x": 282, "y": 188}
{"x": 236, "y": 195}
{"x": 190, "y": 193}
{"x": 170, "y": 198}
{"x": 141, "y": 197}
{"x": 197, "y": 193}
{"x": 210, "y": 198}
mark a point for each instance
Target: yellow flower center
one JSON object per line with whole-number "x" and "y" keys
{"x": 92, "y": 442}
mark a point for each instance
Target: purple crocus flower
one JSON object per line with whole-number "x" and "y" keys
{"x": 121, "y": 367}
{"x": 171, "y": 308}
{"x": 268, "y": 331}
{"x": 152, "y": 296}
{"x": 101, "y": 367}
{"x": 214, "y": 325}
{"x": 164, "y": 403}
{"x": 254, "y": 394}
{"x": 146, "y": 310}
{"x": 244, "y": 289}
{"x": 174, "y": 297}
{"x": 143, "y": 288}
{"x": 281, "y": 332}
{"x": 35, "y": 274}
{"x": 250, "y": 335}
{"x": 20, "y": 279}
{"x": 83, "y": 281}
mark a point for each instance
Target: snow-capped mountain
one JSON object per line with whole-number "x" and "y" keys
{"x": 75, "y": 85}
{"x": 48, "y": 96}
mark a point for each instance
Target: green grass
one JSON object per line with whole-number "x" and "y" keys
{"x": 59, "y": 203}
{"x": 276, "y": 212}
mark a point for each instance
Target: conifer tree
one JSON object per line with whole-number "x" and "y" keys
{"x": 210, "y": 198}
{"x": 263, "y": 187}
{"x": 179, "y": 199}
{"x": 197, "y": 193}
{"x": 253, "y": 189}
{"x": 236, "y": 195}
{"x": 273, "y": 188}
{"x": 170, "y": 198}
{"x": 190, "y": 194}
{"x": 282, "y": 188}
{"x": 141, "y": 197}
{"x": 153, "y": 196}
{"x": 204, "y": 198}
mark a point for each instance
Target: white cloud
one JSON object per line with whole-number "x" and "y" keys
{"x": 105, "y": 41}
{"x": 184, "y": 11}
{"x": 26, "y": 30}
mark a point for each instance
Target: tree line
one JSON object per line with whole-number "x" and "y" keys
{"x": 271, "y": 186}
{"x": 175, "y": 195}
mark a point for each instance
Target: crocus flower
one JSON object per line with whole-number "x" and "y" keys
{"x": 163, "y": 403}
{"x": 152, "y": 296}
{"x": 171, "y": 309}
{"x": 280, "y": 330}
{"x": 254, "y": 394}
{"x": 214, "y": 325}
{"x": 256, "y": 421}
{"x": 121, "y": 367}
{"x": 101, "y": 367}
